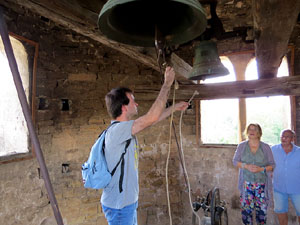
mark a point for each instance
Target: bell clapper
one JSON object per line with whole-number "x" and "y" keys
{"x": 160, "y": 47}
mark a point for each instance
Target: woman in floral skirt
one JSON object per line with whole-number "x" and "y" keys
{"x": 255, "y": 162}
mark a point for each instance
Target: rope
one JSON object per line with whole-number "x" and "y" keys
{"x": 194, "y": 94}
{"x": 184, "y": 166}
{"x": 168, "y": 157}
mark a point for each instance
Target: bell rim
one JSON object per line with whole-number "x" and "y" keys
{"x": 194, "y": 31}
{"x": 204, "y": 73}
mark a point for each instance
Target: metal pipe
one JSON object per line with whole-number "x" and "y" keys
{"x": 33, "y": 91}
{"x": 27, "y": 115}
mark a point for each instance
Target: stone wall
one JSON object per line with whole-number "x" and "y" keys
{"x": 74, "y": 74}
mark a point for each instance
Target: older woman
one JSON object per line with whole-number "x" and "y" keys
{"x": 255, "y": 162}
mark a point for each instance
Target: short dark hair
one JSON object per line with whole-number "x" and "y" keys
{"x": 115, "y": 99}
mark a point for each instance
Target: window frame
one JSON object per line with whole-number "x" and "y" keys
{"x": 290, "y": 59}
{"x": 32, "y": 103}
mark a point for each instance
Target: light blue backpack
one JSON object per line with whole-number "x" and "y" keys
{"x": 95, "y": 173}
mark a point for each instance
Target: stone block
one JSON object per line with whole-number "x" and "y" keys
{"x": 152, "y": 219}
{"x": 162, "y": 198}
{"x": 175, "y": 197}
{"x": 142, "y": 217}
{"x": 46, "y": 129}
{"x": 65, "y": 140}
{"x": 89, "y": 210}
{"x": 148, "y": 165}
{"x": 101, "y": 221}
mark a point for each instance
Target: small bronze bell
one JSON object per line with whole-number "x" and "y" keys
{"x": 134, "y": 22}
{"x": 207, "y": 63}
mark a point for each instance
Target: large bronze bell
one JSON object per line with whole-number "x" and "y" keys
{"x": 134, "y": 22}
{"x": 207, "y": 63}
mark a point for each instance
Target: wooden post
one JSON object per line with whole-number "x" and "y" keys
{"x": 271, "y": 42}
{"x": 240, "y": 63}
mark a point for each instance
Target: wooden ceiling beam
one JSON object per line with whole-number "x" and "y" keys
{"x": 274, "y": 21}
{"x": 238, "y": 89}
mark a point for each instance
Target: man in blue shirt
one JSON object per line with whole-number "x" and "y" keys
{"x": 120, "y": 204}
{"x": 286, "y": 177}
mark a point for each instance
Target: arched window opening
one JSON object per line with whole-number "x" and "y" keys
{"x": 219, "y": 118}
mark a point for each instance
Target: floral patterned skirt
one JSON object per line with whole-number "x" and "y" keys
{"x": 254, "y": 200}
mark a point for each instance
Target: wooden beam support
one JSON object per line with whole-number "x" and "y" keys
{"x": 274, "y": 21}
{"x": 181, "y": 68}
{"x": 238, "y": 89}
{"x": 240, "y": 63}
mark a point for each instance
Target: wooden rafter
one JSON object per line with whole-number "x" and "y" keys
{"x": 274, "y": 21}
{"x": 237, "y": 89}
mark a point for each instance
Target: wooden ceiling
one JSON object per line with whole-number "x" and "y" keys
{"x": 270, "y": 21}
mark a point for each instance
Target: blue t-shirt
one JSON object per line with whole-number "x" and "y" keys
{"x": 115, "y": 141}
{"x": 286, "y": 177}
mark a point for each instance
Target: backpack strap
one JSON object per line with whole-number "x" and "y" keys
{"x": 103, "y": 145}
{"x": 107, "y": 129}
{"x": 122, "y": 166}
{"x": 121, "y": 159}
